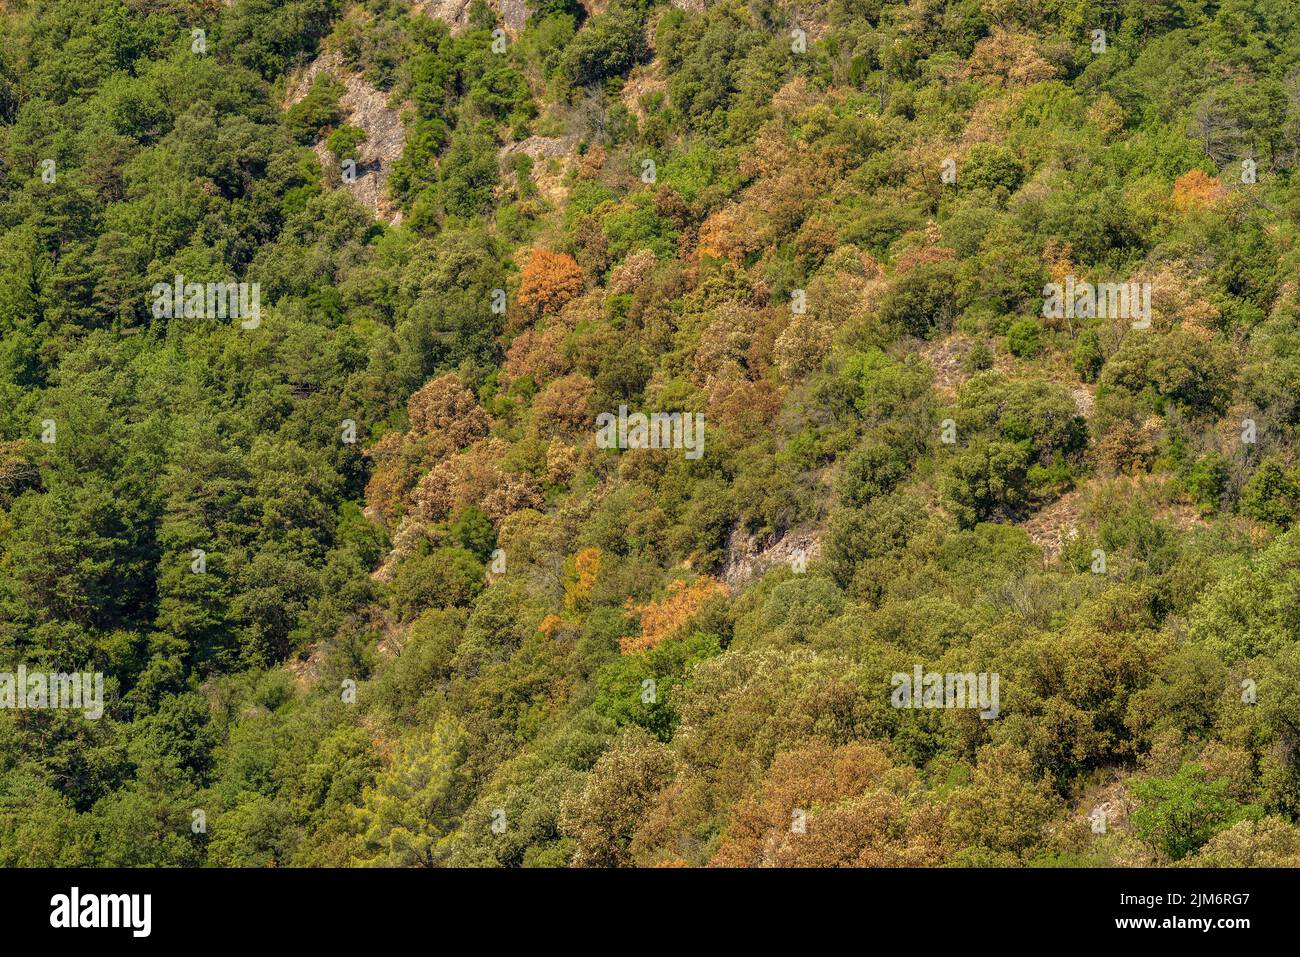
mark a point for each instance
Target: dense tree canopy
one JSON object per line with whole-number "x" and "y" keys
{"x": 365, "y": 584}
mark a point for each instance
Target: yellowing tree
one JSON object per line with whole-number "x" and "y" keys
{"x": 582, "y": 578}
{"x": 407, "y": 817}
{"x": 548, "y": 281}
{"x": 444, "y": 407}
{"x": 821, "y": 806}
{"x": 445, "y": 416}
{"x": 1196, "y": 190}
{"x": 661, "y": 618}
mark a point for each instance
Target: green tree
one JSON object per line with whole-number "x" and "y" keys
{"x": 1178, "y": 814}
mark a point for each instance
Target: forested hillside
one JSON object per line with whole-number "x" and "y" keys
{"x": 373, "y": 580}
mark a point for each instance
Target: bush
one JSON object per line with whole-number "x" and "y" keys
{"x": 609, "y": 45}
{"x": 1177, "y": 366}
{"x": 1024, "y": 339}
{"x": 1179, "y": 814}
{"x": 317, "y": 111}
{"x": 442, "y": 578}
{"x": 876, "y": 467}
{"x": 985, "y": 481}
{"x": 345, "y": 141}
{"x": 922, "y": 300}
{"x": 1272, "y": 494}
{"x": 991, "y": 167}
{"x": 978, "y": 359}
{"x": 1207, "y": 479}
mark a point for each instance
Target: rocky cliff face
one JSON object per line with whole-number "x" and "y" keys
{"x": 748, "y": 558}
{"x": 366, "y": 107}
{"x": 552, "y": 158}
{"x": 455, "y": 13}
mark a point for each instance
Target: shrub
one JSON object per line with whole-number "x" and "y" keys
{"x": 1024, "y": 339}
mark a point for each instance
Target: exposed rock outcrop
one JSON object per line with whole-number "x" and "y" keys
{"x": 644, "y": 80}
{"x": 749, "y": 557}
{"x": 551, "y": 155}
{"x": 365, "y": 107}
{"x": 455, "y": 13}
